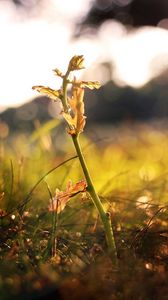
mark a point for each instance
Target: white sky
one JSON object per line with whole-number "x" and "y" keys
{"x": 33, "y": 44}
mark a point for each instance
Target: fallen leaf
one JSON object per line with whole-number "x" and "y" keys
{"x": 61, "y": 198}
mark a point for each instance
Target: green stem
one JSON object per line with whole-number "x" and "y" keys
{"x": 105, "y": 217}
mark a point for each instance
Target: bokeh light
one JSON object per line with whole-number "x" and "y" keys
{"x": 35, "y": 41}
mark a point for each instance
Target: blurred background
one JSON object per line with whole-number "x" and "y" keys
{"x": 125, "y": 44}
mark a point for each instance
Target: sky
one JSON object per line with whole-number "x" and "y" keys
{"x": 35, "y": 41}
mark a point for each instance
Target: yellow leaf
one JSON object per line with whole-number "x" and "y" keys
{"x": 47, "y": 91}
{"x": 58, "y": 73}
{"x": 90, "y": 84}
{"x": 76, "y": 63}
{"x": 71, "y": 122}
{"x": 76, "y": 119}
{"x": 85, "y": 84}
{"x": 61, "y": 198}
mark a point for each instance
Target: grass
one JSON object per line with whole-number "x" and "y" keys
{"x": 48, "y": 253}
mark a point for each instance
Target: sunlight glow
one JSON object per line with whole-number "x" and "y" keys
{"x": 33, "y": 45}
{"x": 134, "y": 55}
{"x": 30, "y": 50}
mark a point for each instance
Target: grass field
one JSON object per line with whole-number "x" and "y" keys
{"x": 45, "y": 254}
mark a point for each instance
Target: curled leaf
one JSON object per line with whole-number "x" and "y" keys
{"x": 76, "y": 119}
{"x": 61, "y": 198}
{"x": 47, "y": 91}
{"x": 76, "y": 63}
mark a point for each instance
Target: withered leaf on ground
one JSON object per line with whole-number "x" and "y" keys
{"x": 61, "y": 198}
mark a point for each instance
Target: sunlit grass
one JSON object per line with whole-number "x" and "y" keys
{"x": 131, "y": 175}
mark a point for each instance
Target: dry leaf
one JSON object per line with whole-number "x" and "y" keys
{"x": 58, "y": 73}
{"x": 76, "y": 119}
{"x": 90, "y": 84}
{"x": 47, "y": 91}
{"x": 76, "y": 63}
{"x": 61, "y": 198}
{"x": 85, "y": 84}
